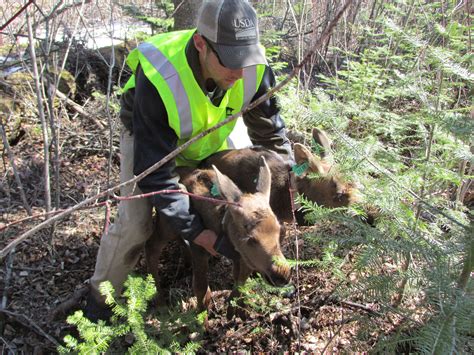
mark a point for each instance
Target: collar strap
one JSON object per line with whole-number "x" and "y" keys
{"x": 223, "y": 244}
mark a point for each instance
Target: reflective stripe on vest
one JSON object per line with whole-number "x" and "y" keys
{"x": 167, "y": 71}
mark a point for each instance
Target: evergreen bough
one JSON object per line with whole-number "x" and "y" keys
{"x": 129, "y": 319}
{"x": 397, "y": 110}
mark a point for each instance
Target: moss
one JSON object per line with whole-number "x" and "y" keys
{"x": 10, "y": 109}
{"x": 7, "y": 105}
{"x": 67, "y": 83}
{"x": 20, "y": 81}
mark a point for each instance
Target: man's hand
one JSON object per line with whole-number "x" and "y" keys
{"x": 206, "y": 239}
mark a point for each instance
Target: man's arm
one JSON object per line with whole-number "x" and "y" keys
{"x": 264, "y": 123}
{"x": 154, "y": 139}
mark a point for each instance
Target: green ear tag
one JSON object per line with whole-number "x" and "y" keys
{"x": 300, "y": 169}
{"x": 215, "y": 191}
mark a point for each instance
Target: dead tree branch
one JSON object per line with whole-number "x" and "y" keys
{"x": 28, "y": 323}
{"x": 44, "y": 126}
{"x": 122, "y": 198}
{"x": 16, "y": 15}
{"x": 79, "y": 109}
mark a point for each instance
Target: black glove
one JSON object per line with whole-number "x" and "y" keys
{"x": 224, "y": 247}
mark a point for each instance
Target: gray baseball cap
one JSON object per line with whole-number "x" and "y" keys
{"x": 231, "y": 27}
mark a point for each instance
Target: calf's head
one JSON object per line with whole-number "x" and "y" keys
{"x": 318, "y": 179}
{"x": 253, "y": 228}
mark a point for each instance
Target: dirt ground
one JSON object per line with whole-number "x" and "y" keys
{"x": 51, "y": 268}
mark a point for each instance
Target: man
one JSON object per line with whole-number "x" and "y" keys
{"x": 184, "y": 83}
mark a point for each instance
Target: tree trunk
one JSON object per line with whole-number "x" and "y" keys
{"x": 185, "y": 14}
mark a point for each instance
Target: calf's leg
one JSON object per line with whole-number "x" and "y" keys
{"x": 241, "y": 273}
{"x": 200, "y": 260}
{"x": 153, "y": 248}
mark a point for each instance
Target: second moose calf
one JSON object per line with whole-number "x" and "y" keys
{"x": 328, "y": 189}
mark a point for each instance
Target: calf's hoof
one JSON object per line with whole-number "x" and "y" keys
{"x": 236, "y": 308}
{"x": 238, "y": 311}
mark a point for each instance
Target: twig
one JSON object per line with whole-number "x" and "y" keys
{"x": 109, "y": 115}
{"x": 16, "y": 15}
{"x": 197, "y": 197}
{"x": 56, "y": 12}
{"x": 28, "y": 323}
{"x": 176, "y": 9}
{"x": 119, "y": 198}
{"x": 55, "y": 127}
{"x": 79, "y": 109}
{"x": 12, "y": 349}
{"x": 362, "y": 307}
{"x": 177, "y": 151}
{"x": 332, "y": 338}
{"x": 44, "y": 127}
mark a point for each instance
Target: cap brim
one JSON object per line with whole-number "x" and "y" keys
{"x": 236, "y": 57}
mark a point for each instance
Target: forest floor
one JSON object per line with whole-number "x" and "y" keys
{"x": 50, "y": 268}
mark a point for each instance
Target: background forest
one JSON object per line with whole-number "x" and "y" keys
{"x": 392, "y": 86}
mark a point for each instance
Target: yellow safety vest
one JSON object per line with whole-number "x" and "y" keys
{"x": 190, "y": 111}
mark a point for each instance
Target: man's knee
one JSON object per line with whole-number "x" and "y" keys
{"x": 131, "y": 256}
{"x": 136, "y": 229}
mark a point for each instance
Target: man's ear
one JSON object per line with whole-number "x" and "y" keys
{"x": 199, "y": 42}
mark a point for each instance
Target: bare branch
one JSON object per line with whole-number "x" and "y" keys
{"x": 125, "y": 198}
{"x": 79, "y": 109}
{"x": 44, "y": 126}
{"x": 27, "y": 322}
{"x": 16, "y": 15}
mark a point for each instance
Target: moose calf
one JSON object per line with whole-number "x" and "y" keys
{"x": 248, "y": 221}
{"x": 328, "y": 189}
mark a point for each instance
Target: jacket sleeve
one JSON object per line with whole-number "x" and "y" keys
{"x": 153, "y": 140}
{"x": 264, "y": 123}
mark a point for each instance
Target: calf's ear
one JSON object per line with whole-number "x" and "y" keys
{"x": 323, "y": 140}
{"x": 226, "y": 186}
{"x": 304, "y": 156}
{"x": 264, "y": 182}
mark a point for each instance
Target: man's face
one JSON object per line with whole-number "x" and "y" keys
{"x": 213, "y": 68}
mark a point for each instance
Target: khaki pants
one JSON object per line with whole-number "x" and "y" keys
{"x": 120, "y": 249}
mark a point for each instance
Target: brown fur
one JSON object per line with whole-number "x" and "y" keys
{"x": 329, "y": 190}
{"x": 252, "y": 228}
{"x": 241, "y": 165}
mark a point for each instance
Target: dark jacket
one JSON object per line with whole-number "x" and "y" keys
{"x": 144, "y": 115}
